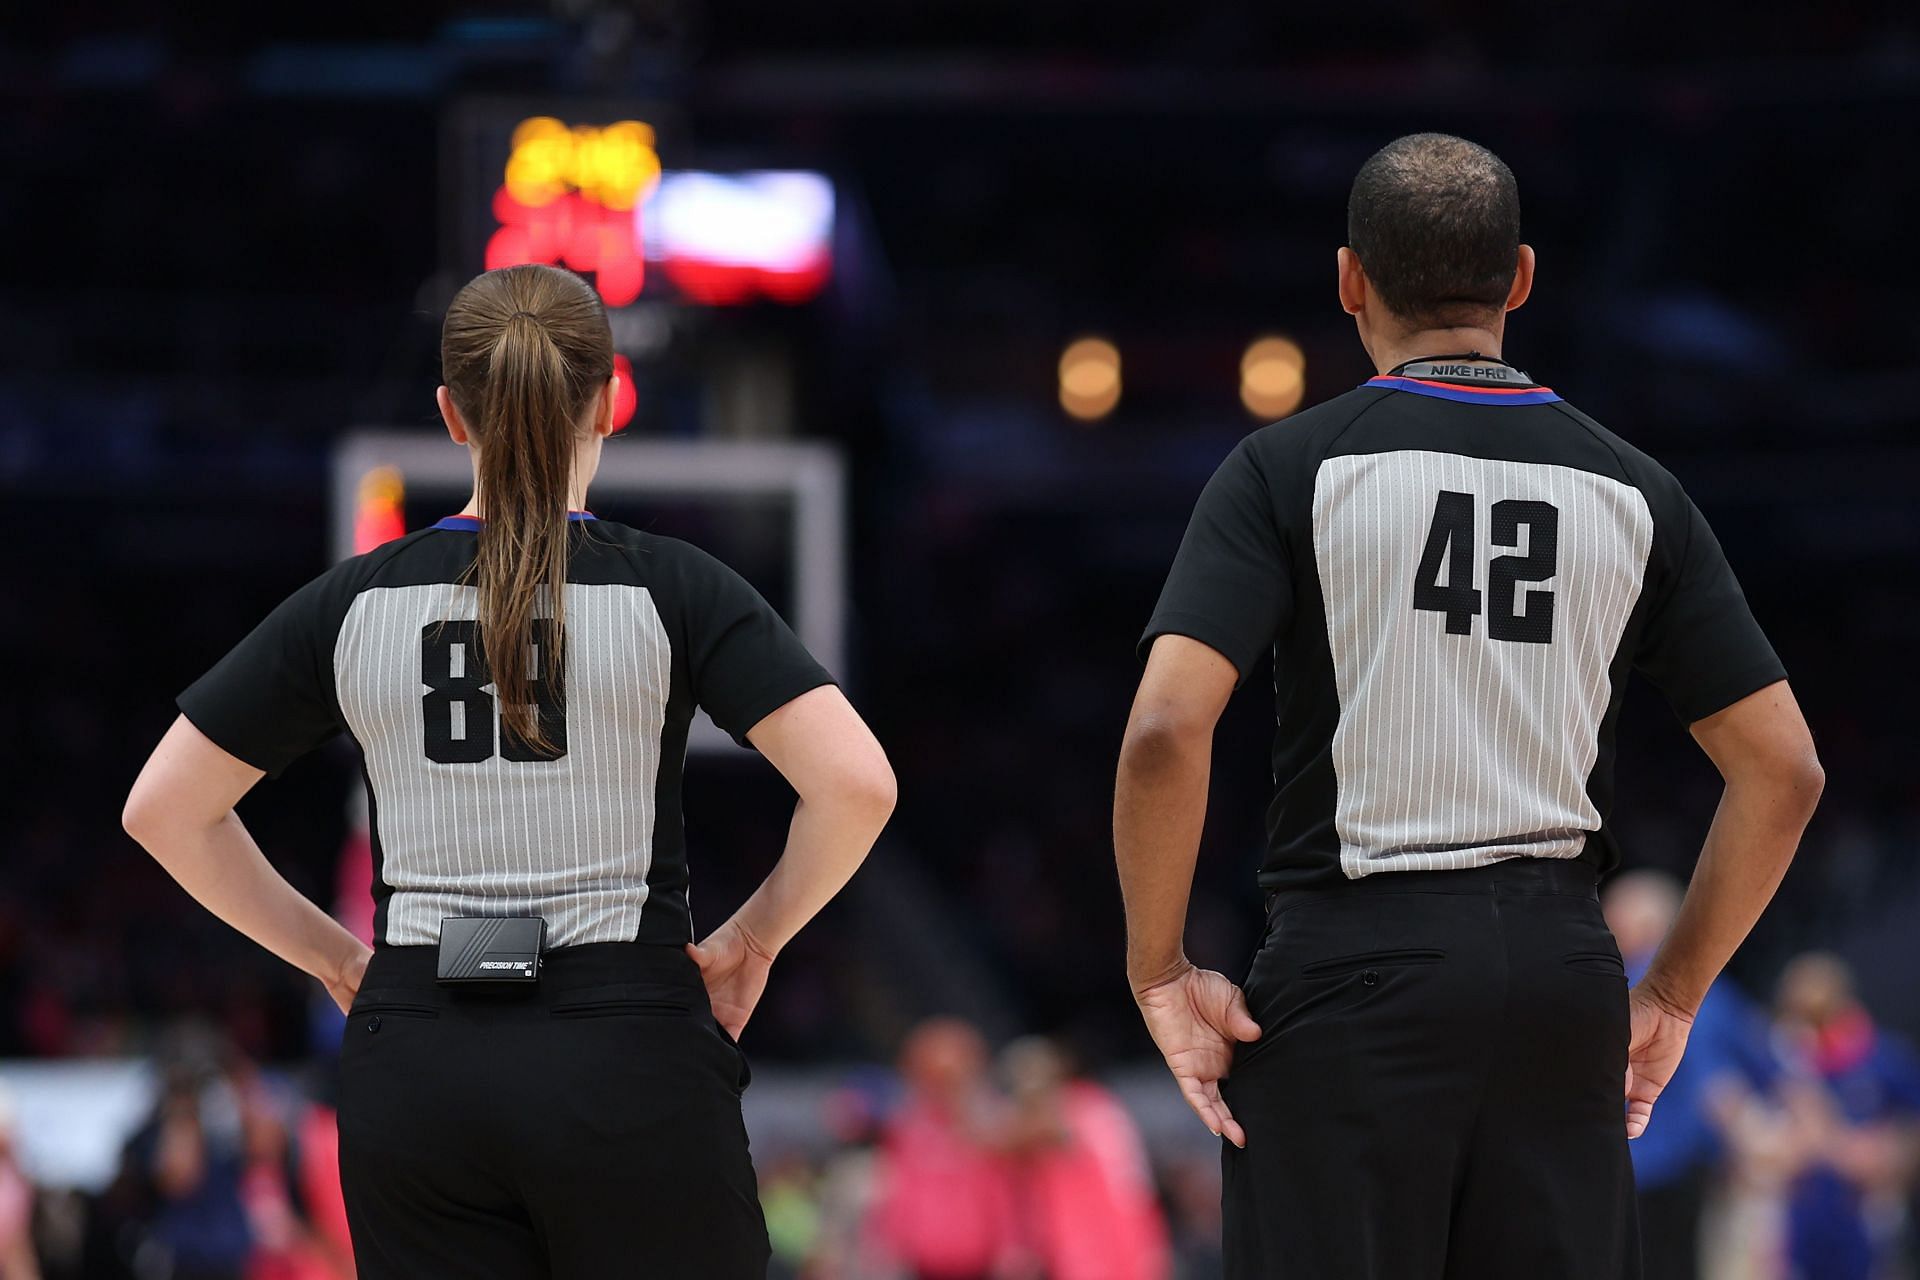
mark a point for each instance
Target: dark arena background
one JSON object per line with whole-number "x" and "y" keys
{"x": 938, "y": 316}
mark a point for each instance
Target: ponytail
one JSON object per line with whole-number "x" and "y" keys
{"x": 526, "y": 464}
{"x": 528, "y": 348}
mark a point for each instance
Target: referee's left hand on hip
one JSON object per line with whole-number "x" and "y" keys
{"x": 1196, "y": 1017}
{"x": 734, "y": 968}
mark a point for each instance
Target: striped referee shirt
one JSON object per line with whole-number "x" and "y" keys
{"x": 1454, "y": 570}
{"x": 468, "y": 820}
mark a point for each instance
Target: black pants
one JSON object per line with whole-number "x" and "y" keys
{"x": 586, "y": 1128}
{"x": 1437, "y": 1094}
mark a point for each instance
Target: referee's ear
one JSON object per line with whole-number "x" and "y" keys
{"x": 1522, "y": 278}
{"x": 1353, "y": 281}
{"x": 603, "y": 404}
{"x": 450, "y": 414}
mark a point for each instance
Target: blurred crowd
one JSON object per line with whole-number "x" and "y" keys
{"x": 1038, "y": 1173}
{"x": 1785, "y": 1148}
{"x": 232, "y": 1175}
{"x": 1787, "y": 1144}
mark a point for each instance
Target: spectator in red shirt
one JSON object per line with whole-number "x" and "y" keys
{"x": 945, "y": 1207}
{"x": 1088, "y": 1209}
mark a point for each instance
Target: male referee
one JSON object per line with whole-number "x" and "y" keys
{"x": 1454, "y": 570}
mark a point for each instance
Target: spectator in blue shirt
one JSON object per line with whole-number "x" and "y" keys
{"x": 188, "y": 1160}
{"x": 1846, "y": 1211}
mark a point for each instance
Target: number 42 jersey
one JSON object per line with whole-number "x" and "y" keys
{"x": 1454, "y": 570}
{"x": 466, "y": 818}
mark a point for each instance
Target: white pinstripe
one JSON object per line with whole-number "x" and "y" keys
{"x": 583, "y": 824}
{"x": 1456, "y": 751}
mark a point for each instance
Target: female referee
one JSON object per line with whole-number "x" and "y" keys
{"x": 520, "y": 678}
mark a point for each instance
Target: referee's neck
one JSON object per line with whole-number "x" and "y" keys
{"x": 1391, "y": 351}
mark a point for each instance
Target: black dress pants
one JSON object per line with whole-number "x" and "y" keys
{"x": 1437, "y": 1094}
{"x": 585, "y": 1128}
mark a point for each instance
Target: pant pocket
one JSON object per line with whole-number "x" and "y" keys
{"x": 400, "y": 1004}
{"x": 1295, "y": 997}
{"x": 625, "y": 999}
{"x": 742, "y": 1069}
{"x": 1602, "y": 964}
{"x": 1340, "y": 966}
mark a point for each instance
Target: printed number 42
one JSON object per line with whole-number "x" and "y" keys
{"x": 1451, "y": 544}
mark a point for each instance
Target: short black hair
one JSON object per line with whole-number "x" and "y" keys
{"x": 1435, "y": 222}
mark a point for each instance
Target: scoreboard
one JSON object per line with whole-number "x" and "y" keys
{"x": 601, "y": 196}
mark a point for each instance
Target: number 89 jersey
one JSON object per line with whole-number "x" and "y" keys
{"x": 1454, "y": 571}
{"x": 467, "y": 819}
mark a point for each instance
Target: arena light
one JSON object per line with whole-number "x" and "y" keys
{"x": 1090, "y": 378}
{"x": 613, "y": 166}
{"x": 625, "y": 398}
{"x": 380, "y": 509}
{"x": 726, "y": 239}
{"x": 568, "y": 198}
{"x": 1273, "y": 377}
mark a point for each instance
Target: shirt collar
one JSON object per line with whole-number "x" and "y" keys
{"x": 472, "y": 524}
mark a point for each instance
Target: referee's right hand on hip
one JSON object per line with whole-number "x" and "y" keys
{"x": 1196, "y": 1017}
{"x": 1658, "y": 1039}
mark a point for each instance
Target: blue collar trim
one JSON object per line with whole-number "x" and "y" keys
{"x": 471, "y": 524}
{"x": 1465, "y": 394}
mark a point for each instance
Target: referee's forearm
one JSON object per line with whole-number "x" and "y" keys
{"x": 827, "y": 842}
{"x": 1752, "y": 840}
{"x": 225, "y": 872}
{"x": 1159, "y": 808}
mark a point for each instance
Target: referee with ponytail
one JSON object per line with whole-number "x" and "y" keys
{"x": 539, "y": 1076}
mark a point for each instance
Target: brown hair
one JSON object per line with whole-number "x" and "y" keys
{"x": 523, "y": 351}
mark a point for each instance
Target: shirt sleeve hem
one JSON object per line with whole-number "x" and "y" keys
{"x": 1725, "y": 693}
{"x": 220, "y": 738}
{"x": 1196, "y": 626}
{"x": 770, "y": 699}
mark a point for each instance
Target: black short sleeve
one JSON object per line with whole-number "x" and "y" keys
{"x": 272, "y": 699}
{"x": 744, "y": 660}
{"x": 1701, "y": 646}
{"x": 1230, "y": 586}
